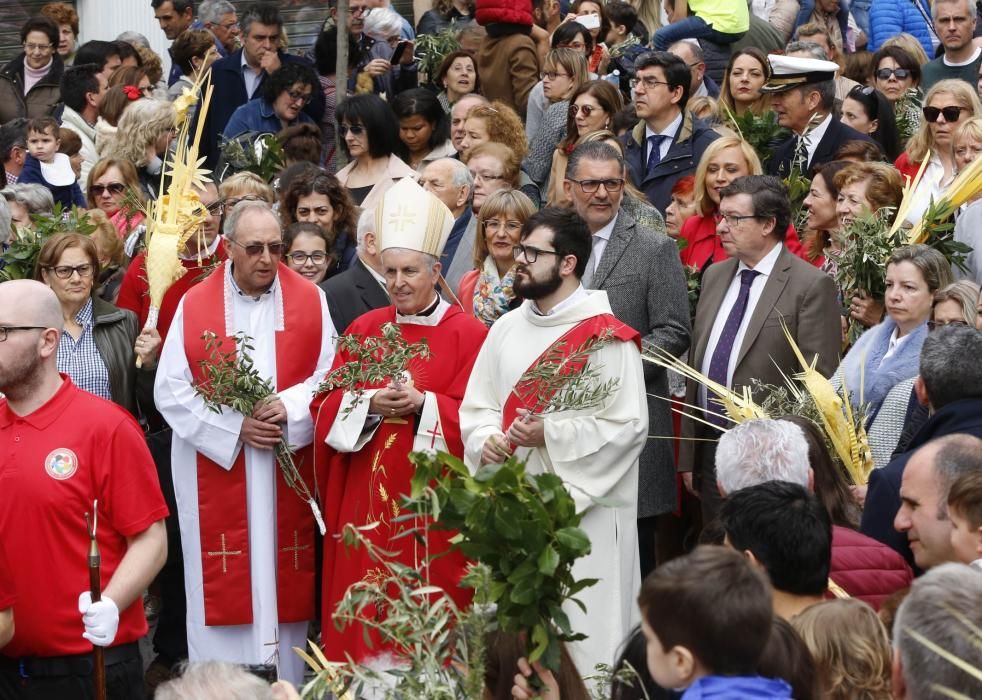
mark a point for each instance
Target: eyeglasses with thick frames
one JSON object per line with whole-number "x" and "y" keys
{"x": 648, "y": 82}
{"x": 586, "y": 109}
{"x": 590, "y": 186}
{"x": 318, "y": 257}
{"x": 733, "y": 220}
{"x": 530, "y": 253}
{"x": 64, "y": 272}
{"x": 304, "y": 97}
{"x": 900, "y": 73}
{"x": 254, "y": 250}
{"x": 950, "y": 114}
{"x": 494, "y": 225}
{"x": 215, "y": 208}
{"x": 4, "y": 330}
{"x": 112, "y": 187}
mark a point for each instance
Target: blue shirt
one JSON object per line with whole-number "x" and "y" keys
{"x": 258, "y": 116}
{"x": 80, "y": 359}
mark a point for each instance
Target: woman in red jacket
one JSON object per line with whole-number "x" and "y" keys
{"x": 723, "y": 161}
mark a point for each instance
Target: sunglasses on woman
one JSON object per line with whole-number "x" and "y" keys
{"x": 113, "y": 187}
{"x": 951, "y": 114}
{"x": 586, "y": 109}
{"x": 355, "y": 129}
{"x": 885, "y": 73}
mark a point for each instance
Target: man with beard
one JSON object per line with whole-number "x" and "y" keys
{"x": 594, "y": 450}
{"x": 68, "y": 453}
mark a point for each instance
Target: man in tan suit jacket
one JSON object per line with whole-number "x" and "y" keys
{"x": 737, "y": 335}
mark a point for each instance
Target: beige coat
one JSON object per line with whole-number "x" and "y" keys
{"x": 397, "y": 169}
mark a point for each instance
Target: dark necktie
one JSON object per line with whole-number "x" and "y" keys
{"x": 654, "y": 158}
{"x": 724, "y": 346}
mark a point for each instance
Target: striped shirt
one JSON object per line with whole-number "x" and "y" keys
{"x": 80, "y": 359}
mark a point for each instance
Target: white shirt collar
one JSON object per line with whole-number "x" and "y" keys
{"x": 607, "y": 230}
{"x": 669, "y": 130}
{"x": 575, "y": 298}
{"x": 766, "y": 264}
{"x": 814, "y": 137}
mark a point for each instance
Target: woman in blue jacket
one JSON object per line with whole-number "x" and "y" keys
{"x": 284, "y": 95}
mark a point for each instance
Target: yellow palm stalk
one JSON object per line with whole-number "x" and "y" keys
{"x": 738, "y": 407}
{"x": 907, "y": 201}
{"x": 964, "y": 188}
{"x": 179, "y": 214}
{"x": 849, "y": 440}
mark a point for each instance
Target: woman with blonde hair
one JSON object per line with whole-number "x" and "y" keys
{"x": 850, "y": 647}
{"x": 563, "y": 71}
{"x": 968, "y": 224}
{"x": 245, "y": 186}
{"x": 946, "y": 105}
{"x": 111, "y": 181}
{"x": 142, "y": 137}
{"x": 486, "y": 291}
{"x": 723, "y": 161}
{"x": 498, "y": 123}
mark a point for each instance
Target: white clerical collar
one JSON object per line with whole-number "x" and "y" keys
{"x": 575, "y": 298}
{"x": 669, "y": 130}
{"x": 426, "y": 317}
{"x": 766, "y": 264}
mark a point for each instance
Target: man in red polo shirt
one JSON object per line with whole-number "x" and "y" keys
{"x": 62, "y": 449}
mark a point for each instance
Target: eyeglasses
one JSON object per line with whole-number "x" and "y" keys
{"x": 303, "y": 97}
{"x": 64, "y": 272}
{"x": 950, "y": 114}
{"x": 37, "y": 48}
{"x": 900, "y": 73}
{"x": 230, "y": 202}
{"x": 864, "y": 90}
{"x": 228, "y": 26}
{"x": 733, "y": 220}
{"x": 4, "y": 330}
{"x": 215, "y": 208}
{"x": 494, "y": 225}
{"x": 575, "y": 45}
{"x": 360, "y": 11}
{"x": 355, "y": 129}
{"x": 591, "y": 186}
{"x": 586, "y": 109}
{"x": 254, "y": 250}
{"x": 316, "y": 211}
{"x": 935, "y": 325}
{"x": 530, "y": 253}
{"x": 486, "y": 177}
{"x": 112, "y": 187}
{"x": 552, "y": 75}
{"x": 648, "y": 82}
{"x": 300, "y": 258}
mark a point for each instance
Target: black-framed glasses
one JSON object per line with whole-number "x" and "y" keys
{"x": 303, "y": 97}
{"x": 531, "y": 253}
{"x": 649, "y": 82}
{"x": 900, "y": 73}
{"x": 612, "y": 185}
{"x": 935, "y": 325}
{"x": 216, "y": 208}
{"x": 733, "y": 220}
{"x": 64, "y": 272}
{"x": 113, "y": 187}
{"x": 950, "y": 114}
{"x": 299, "y": 257}
{"x": 355, "y": 129}
{"x": 4, "y": 330}
{"x": 586, "y": 109}
{"x": 254, "y": 250}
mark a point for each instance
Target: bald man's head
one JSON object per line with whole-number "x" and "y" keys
{"x": 29, "y": 303}
{"x": 28, "y": 355}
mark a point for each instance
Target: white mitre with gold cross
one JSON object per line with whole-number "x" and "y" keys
{"x": 412, "y": 218}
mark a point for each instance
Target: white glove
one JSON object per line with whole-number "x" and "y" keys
{"x": 101, "y": 619}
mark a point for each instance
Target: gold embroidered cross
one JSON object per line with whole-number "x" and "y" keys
{"x": 296, "y": 549}
{"x": 401, "y": 218}
{"x": 225, "y": 554}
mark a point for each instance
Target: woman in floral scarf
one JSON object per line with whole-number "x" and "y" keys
{"x": 487, "y": 290}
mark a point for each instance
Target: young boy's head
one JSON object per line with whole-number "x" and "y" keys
{"x": 42, "y": 138}
{"x": 707, "y": 613}
{"x": 965, "y": 512}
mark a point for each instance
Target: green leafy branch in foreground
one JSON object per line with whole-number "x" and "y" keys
{"x": 524, "y": 528}
{"x": 21, "y": 255}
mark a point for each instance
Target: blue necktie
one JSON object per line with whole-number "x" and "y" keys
{"x": 720, "y": 362}
{"x": 654, "y": 158}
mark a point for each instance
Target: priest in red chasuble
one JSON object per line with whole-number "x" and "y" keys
{"x": 364, "y": 438}
{"x": 248, "y": 538}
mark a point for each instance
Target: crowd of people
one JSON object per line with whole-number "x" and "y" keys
{"x": 645, "y": 180}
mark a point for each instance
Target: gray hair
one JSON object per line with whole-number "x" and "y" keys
{"x": 592, "y": 150}
{"x": 757, "y": 451}
{"x": 973, "y": 11}
{"x": 950, "y": 366}
{"x": 366, "y": 224}
{"x": 382, "y": 23}
{"x": 211, "y": 680}
{"x": 694, "y": 49}
{"x": 4, "y": 221}
{"x": 239, "y": 210}
{"x": 941, "y": 606}
{"x": 37, "y": 199}
{"x": 461, "y": 175}
{"x": 809, "y": 47}
{"x": 957, "y": 455}
{"x": 211, "y": 11}
{"x": 134, "y": 38}
{"x": 430, "y": 260}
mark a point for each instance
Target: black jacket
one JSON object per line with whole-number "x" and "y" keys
{"x": 883, "y": 494}
{"x": 835, "y": 138}
{"x": 40, "y": 101}
{"x": 352, "y": 293}
{"x": 115, "y": 332}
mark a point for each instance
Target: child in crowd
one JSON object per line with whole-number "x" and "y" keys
{"x": 965, "y": 511}
{"x": 46, "y": 166}
{"x": 850, "y": 647}
{"x": 71, "y": 146}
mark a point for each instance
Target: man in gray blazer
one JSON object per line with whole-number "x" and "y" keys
{"x": 642, "y": 275}
{"x": 738, "y": 334}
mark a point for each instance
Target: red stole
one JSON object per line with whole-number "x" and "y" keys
{"x": 588, "y": 328}
{"x": 222, "y": 508}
